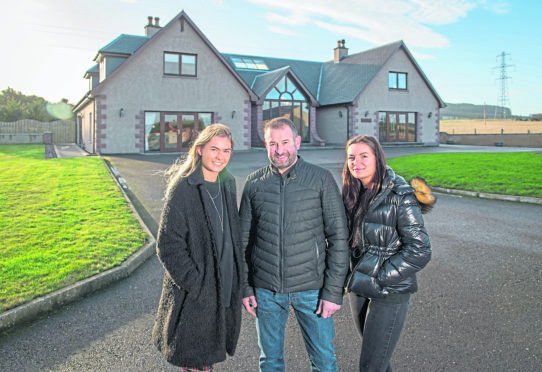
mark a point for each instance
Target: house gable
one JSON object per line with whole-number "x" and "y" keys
{"x": 131, "y": 46}
{"x": 265, "y": 82}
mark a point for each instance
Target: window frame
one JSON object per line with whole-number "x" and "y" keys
{"x": 180, "y": 64}
{"x": 397, "y": 80}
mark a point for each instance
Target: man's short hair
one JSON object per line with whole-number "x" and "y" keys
{"x": 279, "y": 122}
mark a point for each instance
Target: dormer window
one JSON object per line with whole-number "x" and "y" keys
{"x": 397, "y": 80}
{"x": 180, "y": 64}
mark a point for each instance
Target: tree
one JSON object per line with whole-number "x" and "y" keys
{"x": 16, "y": 106}
{"x": 11, "y": 111}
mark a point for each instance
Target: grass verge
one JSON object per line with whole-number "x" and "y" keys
{"x": 61, "y": 220}
{"x": 498, "y": 173}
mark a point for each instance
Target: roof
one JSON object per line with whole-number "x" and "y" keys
{"x": 133, "y": 45}
{"x": 123, "y": 44}
{"x": 342, "y": 83}
{"x": 93, "y": 70}
{"x": 327, "y": 83}
{"x": 331, "y": 83}
{"x": 308, "y": 72}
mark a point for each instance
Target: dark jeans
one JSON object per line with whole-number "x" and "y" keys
{"x": 379, "y": 322}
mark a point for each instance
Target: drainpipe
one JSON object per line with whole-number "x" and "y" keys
{"x": 347, "y": 121}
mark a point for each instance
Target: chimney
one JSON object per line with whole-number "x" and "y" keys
{"x": 150, "y": 28}
{"x": 340, "y": 51}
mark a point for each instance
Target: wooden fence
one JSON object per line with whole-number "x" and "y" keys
{"x": 31, "y": 131}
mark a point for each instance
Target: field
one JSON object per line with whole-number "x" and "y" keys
{"x": 479, "y": 126}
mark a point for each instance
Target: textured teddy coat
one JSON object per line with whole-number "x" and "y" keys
{"x": 192, "y": 327}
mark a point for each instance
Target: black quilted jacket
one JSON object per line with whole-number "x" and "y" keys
{"x": 294, "y": 232}
{"x": 394, "y": 245}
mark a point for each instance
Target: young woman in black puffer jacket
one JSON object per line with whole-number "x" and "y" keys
{"x": 389, "y": 245}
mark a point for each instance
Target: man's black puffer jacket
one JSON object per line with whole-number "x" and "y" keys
{"x": 394, "y": 245}
{"x": 297, "y": 230}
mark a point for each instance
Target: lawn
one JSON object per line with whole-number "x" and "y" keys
{"x": 61, "y": 220}
{"x": 498, "y": 173}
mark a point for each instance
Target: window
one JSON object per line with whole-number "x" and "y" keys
{"x": 285, "y": 99}
{"x": 397, "y": 80}
{"x": 397, "y": 126}
{"x": 249, "y": 63}
{"x": 180, "y": 64}
{"x": 173, "y": 131}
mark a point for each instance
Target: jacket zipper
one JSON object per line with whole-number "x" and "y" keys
{"x": 389, "y": 186}
{"x": 281, "y": 232}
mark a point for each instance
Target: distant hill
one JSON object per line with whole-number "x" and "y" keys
{"x": 470, "y": 111}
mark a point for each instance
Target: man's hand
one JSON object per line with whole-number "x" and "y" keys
{"x": 326, "y": 308}
{"x": 250, "y": 305}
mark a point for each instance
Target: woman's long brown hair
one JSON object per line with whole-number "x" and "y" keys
{"x": 356, "y": 198}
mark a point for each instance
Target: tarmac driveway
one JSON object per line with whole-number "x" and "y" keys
{"x": 478, "y": 307}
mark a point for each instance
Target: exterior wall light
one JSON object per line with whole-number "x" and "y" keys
{"x": 121, "y": 112}
{"x": 340, "y": 114}
{"x": 233, "y": 113}
{"x": 429, "y": 115}
{"x": 366, "y": 113}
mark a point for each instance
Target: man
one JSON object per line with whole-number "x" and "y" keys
{"x": 294, "y": 233}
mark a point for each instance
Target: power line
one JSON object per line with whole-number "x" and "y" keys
{"x": 503, "y": 77}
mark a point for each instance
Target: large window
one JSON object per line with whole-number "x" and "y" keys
{"x": 180, "y": 64}
{"x": 397, "y": 80}
{"x": 173, "y": 131}
{"x": 285, "y": 99}
{"x": 397, "y": 126}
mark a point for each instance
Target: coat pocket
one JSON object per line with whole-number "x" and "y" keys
{"x": 366, "y": 286}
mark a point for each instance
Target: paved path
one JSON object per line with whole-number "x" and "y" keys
{"x": 478, "y": 307}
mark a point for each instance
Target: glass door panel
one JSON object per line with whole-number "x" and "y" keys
{"x": 402, "y": 128}
{"x": 392, "y": 127}
{"x": 171, "y": 132}
{"x": 188, "y": 133}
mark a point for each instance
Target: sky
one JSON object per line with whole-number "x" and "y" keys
{"x": 468, "y": 49}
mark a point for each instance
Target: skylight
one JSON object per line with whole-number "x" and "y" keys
{"x": 249, "y": 63}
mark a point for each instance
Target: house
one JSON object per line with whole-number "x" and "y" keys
{"x": 153, "y": 93}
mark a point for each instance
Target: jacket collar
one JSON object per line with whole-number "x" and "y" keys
{"x": 293, "y": 171}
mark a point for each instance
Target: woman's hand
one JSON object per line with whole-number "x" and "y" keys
{"x": 367, "y": 286}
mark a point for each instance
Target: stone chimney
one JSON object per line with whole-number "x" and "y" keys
{"x": 340, "y": 51}
{"x": 152, "y": 28}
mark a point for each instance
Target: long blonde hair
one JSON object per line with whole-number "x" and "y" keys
{"x": 183, "y": 167}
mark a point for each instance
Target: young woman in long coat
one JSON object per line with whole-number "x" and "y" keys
{"x": 199, "y": 315}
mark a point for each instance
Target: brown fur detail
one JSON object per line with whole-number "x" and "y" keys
{"x": 423, "y": 193}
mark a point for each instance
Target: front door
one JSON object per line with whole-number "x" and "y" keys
{"x": 178, "y": 132}
{"x": 393, "y": 127}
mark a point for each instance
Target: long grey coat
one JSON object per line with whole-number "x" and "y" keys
{"x": 192, "y": 327}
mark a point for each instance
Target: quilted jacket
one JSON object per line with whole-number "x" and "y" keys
{"x": 394, "y": 245}
{"x": 294, "y": 232}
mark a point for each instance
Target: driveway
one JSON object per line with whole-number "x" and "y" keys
{"x": 478, "y": 307}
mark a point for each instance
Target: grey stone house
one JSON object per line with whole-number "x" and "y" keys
{"x": 153, "y": 93}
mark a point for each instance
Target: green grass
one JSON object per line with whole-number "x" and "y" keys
{"x": 498, "y": 173}
{"x": 61, "y": 220}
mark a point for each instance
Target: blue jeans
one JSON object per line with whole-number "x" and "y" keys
{"x": 272, "y": 315}
{"x": 379, "y": 322}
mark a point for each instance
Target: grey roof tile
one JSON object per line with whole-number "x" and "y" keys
{"x": 124, "y": 44}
